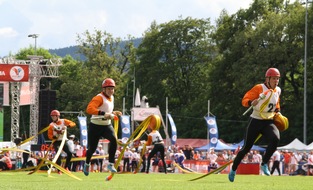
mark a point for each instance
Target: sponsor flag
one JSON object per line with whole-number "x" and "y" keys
{"x": 174, "y": 131}
{"x": 125, "y": 126}
{"x": 83, "y": 130}
{"x": 212, "y": 130}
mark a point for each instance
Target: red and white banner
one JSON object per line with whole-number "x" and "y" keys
{"x": 25, "y": 95}
{"x": 4, "y": 93}
{"x": 14, "y": 72}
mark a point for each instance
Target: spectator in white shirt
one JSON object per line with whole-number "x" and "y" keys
{"x": 276, "y": 162}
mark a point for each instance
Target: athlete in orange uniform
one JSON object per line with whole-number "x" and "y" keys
{"x": 265, "y": 101}
{"x": 155, "y": 139}
{"x": 55, "y": 131}
{"x": 101, "y": 108}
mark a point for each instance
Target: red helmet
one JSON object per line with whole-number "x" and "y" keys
{"x": 108, "y": 82}
{"x": 272, "y": 72}
{"x": 55, "y": 113}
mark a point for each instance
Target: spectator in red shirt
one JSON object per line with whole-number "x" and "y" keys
{"x": 286, "y": 160}
{"x": 5, "y": 162}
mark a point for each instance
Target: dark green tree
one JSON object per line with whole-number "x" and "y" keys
{"x": 174, "y": 59}
{"x": 268, "y": 34}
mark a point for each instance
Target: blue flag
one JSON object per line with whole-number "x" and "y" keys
{"x": 212, "y": 130}
{"x": 125, "y": 126}
{"x": 83, "y": 131}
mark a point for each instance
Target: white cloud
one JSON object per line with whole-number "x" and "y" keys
{"x": 7, "y": 32}
{"x": 58, "y": 22}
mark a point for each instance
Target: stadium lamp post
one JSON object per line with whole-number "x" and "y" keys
{"x": 34, "y": 36}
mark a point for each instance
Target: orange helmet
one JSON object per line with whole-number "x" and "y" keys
{"x": 55, "y": 113}
{"x": 108, "y": 82}
{"x": 272, "y": 72}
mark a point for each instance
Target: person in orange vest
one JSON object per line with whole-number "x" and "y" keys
{"x": 264, "y": 98}
{"x": 101, "y": 109}
{"x": 55, "y": 132}
{"x": 5, "y": 162}
{"x": 155, "y": 141}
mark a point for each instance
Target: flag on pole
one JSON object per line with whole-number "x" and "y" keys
{"x": 212, "y": 130}
{"x": 83, "y": 130}
{"x": 174, "y": 131}
{"x": 125, "y": 126}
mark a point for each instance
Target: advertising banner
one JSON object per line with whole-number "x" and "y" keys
{"x": 25, "y": 95}
{"x": 141, "y": 114}
{"x": 212, "y": 130}
{"x": 125, "y": 126}
{"x": 83, "y": 131}
{"x": 174, "y": 131}
{"x": 14, "y": 72}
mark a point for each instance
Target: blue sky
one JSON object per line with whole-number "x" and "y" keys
{"x": 59, "y": 21}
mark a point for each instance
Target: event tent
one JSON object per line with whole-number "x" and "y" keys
{"x": 219, "y": 146}
{"x": 296, "y": 144}
{"x": 309, "y": 147}
{"x": 254, "y": 147}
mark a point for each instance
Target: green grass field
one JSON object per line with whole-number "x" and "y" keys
{"x": 141, "y": 181}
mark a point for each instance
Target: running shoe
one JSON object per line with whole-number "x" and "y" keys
{"x": 231, "y": 175}
{"x": 111, "y": 168}
{"x": 86, "y": 169}
{"x": 265, "y": 170}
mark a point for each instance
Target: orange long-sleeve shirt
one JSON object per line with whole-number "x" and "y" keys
{"x": 253, "y": 94}
{"x": 94, "y": 105}
{"x": 61, "y": 122}
{"x": 267, "y": 106}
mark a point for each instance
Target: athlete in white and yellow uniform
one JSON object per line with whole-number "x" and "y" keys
{"x": 265, "y": 101}
{"x": 156, "y": 141}
{"x": 101, "y": 110}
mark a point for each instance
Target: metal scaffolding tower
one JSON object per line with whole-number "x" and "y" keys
{"x": 38, "y": 68}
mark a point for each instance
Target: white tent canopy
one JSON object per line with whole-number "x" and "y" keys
{"x": 296, "y": 144}
{"x": 309, "y": 147}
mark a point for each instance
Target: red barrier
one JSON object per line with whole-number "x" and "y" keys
{"x": 201, "y": 166}
{"x": 249, "y": 168}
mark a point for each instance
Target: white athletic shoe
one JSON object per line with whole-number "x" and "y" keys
{"x": 111, "y": 168}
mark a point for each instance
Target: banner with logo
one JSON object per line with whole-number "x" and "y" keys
{"x": 140, "y": 114}
{"x": 212, "y": 130}
{"x": 125, "y": 126}
{"x": 174, "y": 131}
{"x": 14, "y": 72}
{"x": 83, "y": 131}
